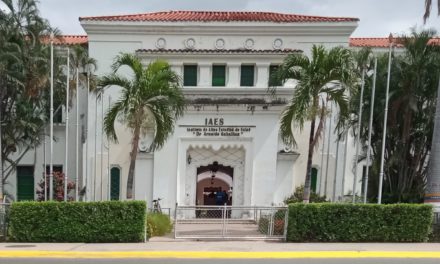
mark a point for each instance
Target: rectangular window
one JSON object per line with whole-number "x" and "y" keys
{"x": 25, "y": 183}
{"x": 247, "y": 75}
{"x": 314, "y": 179}
{"x": 190, "y": 75}
{"x": 218, "y": 75}
{"x": 272, "y": 80}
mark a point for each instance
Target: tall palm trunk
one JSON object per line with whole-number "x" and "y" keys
{"x": 306, "y": 194}
{"x": 432, "y": 194}
{"x": 133, "y": 155}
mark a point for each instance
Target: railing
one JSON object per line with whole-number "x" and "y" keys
{"x": 230, "y": 222}
{"x": 4, "y": 215}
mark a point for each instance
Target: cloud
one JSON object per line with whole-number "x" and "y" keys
{"x": 377, "y": 17}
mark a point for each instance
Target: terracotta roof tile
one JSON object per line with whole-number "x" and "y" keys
{"x": 67, "y": 40}
{"x": 221, "y": 51}
{"x": 381, "y": 42}
{"x": 219, "y": 16}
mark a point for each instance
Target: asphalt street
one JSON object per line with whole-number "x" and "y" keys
{"x": 218, "y": 261}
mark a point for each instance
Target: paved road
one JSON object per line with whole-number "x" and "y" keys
{"x": 218, "y": 261}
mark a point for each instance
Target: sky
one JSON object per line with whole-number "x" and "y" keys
{"x": 378, "y": 18}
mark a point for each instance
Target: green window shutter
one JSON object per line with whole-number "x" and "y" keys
{"x": 247, "y": 75}
{"x": 314, "y": 179}
{"x": 115, "y": 182}
{"x": 272, "y": 80}
{"x": 218, "y": 75}
{"x": 25, "y": 183}
{"x": 190, "y": 75}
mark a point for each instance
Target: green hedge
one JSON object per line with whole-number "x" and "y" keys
{"x": 92, "y": 222}
{"x": 359, "y": 223}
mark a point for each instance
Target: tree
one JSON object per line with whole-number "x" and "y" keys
{"x": 24, "y": 80}
{"x": 321, "y": 80}
{"x": 152, "y": 99}
{"x": 414, "y": 78}
{"x": 428, "y": 6}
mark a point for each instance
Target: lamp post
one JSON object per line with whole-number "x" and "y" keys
{"x": 51, "y": 120}
{"x": 382, "y": 161}
{"x": 67, "y": 126}
{"x": 370, "y": 125}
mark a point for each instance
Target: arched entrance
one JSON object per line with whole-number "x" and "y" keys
{"x": 214, "y": 184}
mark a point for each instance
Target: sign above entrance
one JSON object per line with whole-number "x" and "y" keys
{"x": 215, "y": 127}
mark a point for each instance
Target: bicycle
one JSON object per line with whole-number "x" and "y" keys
{"x": 156, "y": 206}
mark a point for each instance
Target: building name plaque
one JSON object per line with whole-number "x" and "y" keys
{"x": 215, "y": 127}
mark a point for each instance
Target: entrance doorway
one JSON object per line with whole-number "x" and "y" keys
{"x": 214, "y": 184}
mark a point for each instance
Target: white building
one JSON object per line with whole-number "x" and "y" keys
{"x": 231, "y": 126}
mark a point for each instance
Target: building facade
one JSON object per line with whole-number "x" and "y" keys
{"x": 228, "y": 139}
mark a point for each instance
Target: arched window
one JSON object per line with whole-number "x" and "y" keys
{"x": 115, "y": 183}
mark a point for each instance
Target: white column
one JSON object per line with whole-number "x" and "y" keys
{"x": 205, "y": 75}
{"x": 233, "y": 74}
{"x": 262, "y": 75}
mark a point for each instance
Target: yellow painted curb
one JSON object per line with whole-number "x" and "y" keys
{"x": 218, "y": 255}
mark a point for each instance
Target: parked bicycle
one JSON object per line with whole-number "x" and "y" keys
{"x": 156, "y": 206}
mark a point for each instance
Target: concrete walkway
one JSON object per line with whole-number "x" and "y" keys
{"x": 164, "y": 244}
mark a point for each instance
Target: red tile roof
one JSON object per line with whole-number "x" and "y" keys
{"x": 67, "y": 40}
{"x": 382, "y": 42}
{"x": 219, "y": 16}
{"x": 72, "y": 40}
{"x": 221, "y": 51}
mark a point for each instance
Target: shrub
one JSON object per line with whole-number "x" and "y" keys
{"x": 359, "y": 223}
{"x": 278, "y": 223}
{"x": 297, "y": 196}
{"x": 92, "y": 222}
{"x": 158, "y": 224}
{"x": 58, "y": 187}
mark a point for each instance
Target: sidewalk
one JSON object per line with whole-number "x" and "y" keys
{"x": 167, "y": 248}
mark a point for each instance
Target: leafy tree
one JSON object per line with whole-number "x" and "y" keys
{"x": 321, "y": 80}
{"x": 414, "y": 79}
{"x": 151, "y": 100}
{"x": 24, "y": 80}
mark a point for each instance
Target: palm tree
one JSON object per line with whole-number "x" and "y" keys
{"x": 321, "y": 80}
{"x": 152, "y": 98}
{"x": 428, "y": 5}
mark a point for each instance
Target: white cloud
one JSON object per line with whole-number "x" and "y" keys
{"x": 377, "y": 17}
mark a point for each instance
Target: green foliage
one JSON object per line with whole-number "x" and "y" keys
{"x": 327, "y": 222}
{"x": 297, "y": 197}
{"x": 150, "y": 101}
{"x": 412, "y": 104}
{"x": 89, "y": 222}
{"x": 158, "y": 224}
